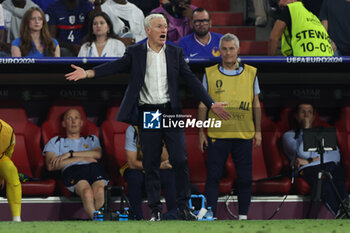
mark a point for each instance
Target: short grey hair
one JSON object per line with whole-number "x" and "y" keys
{"x": 150, "y": 17}
{"x": 229, "y": 37}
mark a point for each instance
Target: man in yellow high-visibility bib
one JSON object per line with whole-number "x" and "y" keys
{"x": 237, "y": 85}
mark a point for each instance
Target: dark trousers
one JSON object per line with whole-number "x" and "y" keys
{"x": 151, "y": 145}
{"x": 310, "y": 174}
{"x": 136, "y": 180}
{"x": 241, "y": 152}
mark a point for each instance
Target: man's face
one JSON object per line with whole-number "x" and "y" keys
{"x": 305, "y": 113}
{"x": 72, "y": 121}
{"x": 157, "y": 31}
{"x": 229, "y": 51}
{"x": 201, "y": 23}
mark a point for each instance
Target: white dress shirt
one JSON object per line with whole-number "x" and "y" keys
{"x": 155, "y": 88}
{"x": 113, "y": 48}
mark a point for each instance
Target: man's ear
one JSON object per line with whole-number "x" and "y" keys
{"x": 148, "y": 29}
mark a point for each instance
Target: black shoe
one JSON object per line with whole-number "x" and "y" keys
{"x": 187, "y": 215}
{"x": 155, "y": 216}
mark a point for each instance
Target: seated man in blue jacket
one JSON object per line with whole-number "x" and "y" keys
{"x": 308, "y": 163}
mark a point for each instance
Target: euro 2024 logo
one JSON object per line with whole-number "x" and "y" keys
{"x": 151, "y": 120}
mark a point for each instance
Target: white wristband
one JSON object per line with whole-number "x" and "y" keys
{"x": 87, "y": 73}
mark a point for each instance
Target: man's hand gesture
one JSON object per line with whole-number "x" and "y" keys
{"x": 76, "y": 75}
{"x": 218, "y": 109}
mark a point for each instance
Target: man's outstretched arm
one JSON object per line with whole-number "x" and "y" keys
{"x": 116, "y": 66}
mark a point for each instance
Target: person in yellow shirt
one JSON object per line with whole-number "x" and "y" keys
{"x": 8, "y": 171}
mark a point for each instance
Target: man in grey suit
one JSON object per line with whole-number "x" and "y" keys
{"x": 155, "y": 70}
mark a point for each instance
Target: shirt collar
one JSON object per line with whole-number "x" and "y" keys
{"x": 231, "y": 72}
{"x": 199, "y": 42}
{"x": 151, "y": 50}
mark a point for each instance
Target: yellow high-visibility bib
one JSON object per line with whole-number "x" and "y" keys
{"x": 238, "y": 92}
{"x": 309, "y": 37}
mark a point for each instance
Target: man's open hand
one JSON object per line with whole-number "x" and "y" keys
{"x": 218, "y": 109}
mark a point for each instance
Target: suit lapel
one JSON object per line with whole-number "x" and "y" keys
{"x": 142, "y": 59}
{"x": 168, "y": 59}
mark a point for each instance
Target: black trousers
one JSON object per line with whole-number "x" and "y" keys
{"x": 241, "y": 152}
{"x": 309, "y": 174}
{"x": 151, "y": 141}
{"x": 136, "y": 180}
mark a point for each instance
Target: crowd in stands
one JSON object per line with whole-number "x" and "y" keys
{"x": 73, "y": 29}
{"x": 70, "y": 24}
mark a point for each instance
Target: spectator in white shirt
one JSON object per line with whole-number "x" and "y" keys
{"x": 101, "y": 41}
